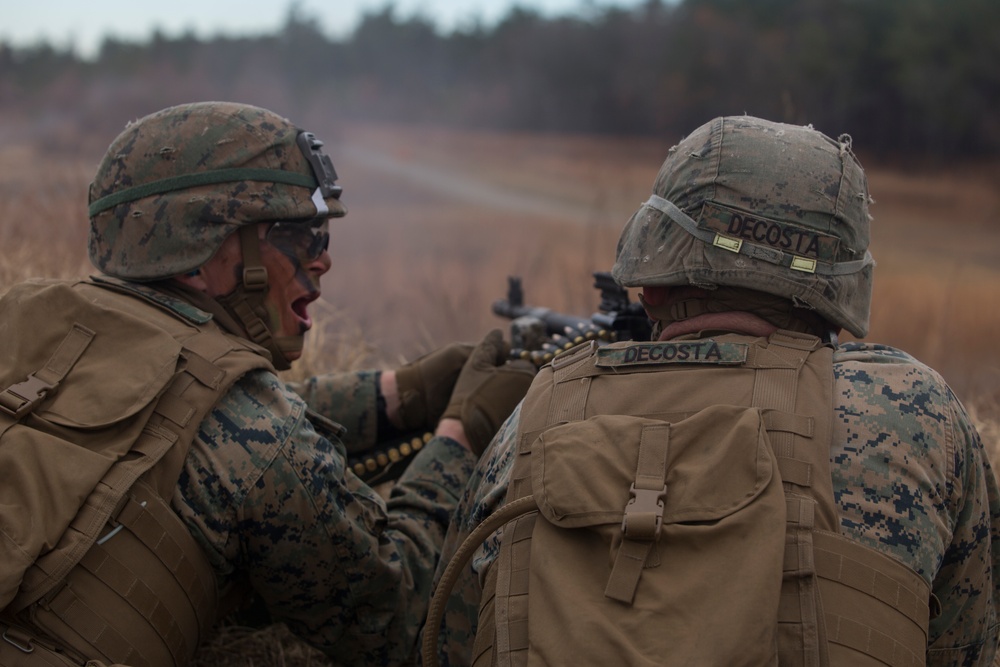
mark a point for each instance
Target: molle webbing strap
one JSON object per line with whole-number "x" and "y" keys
{"x": 145, "y": 593}
{"x": 86, "y": 622}
{"x": 776, "y": 381}
{"x": 484, "y": 644}
{"x": 131, "y": 587}
{"x": 463, "y": 555}
{"x": 801, "y": 628}
{"x": 895, "y": 598}
{"x": 842, "y": 603}
{"x": 131, "y": 565}
{"x": 50, "y": 569}
{"x": 512, "y": 592}
{"x": 154, "y": 523}
{"x": 19, "y": 399}
{"x": 643, "y": 513}
{"x": 155, "y": 443}
{"x": 794, "y": 471}
{"x": 564, "y": 401}
{"x": 847, "y": 563}
{"x": 519, "y": 502}
{"x": 567, "y": 402}
{"x": 865, "y": 639}
{"x": 156, "y": 545}
{"x": 182, "y": 407}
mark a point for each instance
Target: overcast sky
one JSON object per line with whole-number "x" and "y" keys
{"x": 83, "y": 23}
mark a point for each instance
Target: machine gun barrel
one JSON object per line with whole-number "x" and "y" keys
{"x": 539, "y": 333}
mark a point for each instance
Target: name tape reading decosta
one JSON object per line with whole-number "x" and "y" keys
{"x": 772, "y": 233}
{"x": 684, "y": 352}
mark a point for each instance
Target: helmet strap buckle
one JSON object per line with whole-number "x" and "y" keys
{"x": 254, "y": 278}
{"x": 254, "y": 273}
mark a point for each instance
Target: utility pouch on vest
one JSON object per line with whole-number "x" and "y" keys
{"x": 93, "y": 561}
{"x": 628, "y": 509}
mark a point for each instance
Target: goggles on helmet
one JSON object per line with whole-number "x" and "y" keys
{"x": 301, "y": 241}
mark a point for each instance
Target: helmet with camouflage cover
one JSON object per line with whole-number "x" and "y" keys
{"x": 748, "y": 203}
{"x": 176, "y": 183}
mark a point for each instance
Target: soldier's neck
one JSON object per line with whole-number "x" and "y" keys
{"x": 731, "y": 322}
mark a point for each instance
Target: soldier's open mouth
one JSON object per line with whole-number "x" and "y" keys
{"x": 301, "y": 309}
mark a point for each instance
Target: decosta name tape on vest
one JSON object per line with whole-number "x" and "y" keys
{"x": 686, "y": 352}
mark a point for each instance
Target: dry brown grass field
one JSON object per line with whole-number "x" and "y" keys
{"x": 439, "y": 219}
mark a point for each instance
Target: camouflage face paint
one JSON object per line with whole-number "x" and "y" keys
{"x": 302, "y": 242}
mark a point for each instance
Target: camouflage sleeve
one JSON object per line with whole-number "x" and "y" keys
{"x": 349, "y": 400}
{"x": 270, "y": 498}
{"x": 968, "y": 582}
{"x": 911, "y": 479}
{"x": 483, "y": 496}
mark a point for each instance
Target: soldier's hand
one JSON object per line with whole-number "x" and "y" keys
{"x": 425, "y": 385}
{"x": 488, "y": 389}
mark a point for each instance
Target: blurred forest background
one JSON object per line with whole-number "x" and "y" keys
{"x": 909, "y": 78}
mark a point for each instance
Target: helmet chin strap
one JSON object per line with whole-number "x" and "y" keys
{"x": 247, "y": 303}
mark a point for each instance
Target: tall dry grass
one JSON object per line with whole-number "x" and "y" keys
{"x": 439, "y": 219}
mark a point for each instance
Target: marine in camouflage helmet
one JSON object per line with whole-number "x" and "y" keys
{"x": 175, "y": 184}
{"x": 762, "y": 213}
{"x": 758, "y": 206}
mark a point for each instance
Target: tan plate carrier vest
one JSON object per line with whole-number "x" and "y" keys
{"x": 671, "y": 504}
{"x": 101, "y": 394}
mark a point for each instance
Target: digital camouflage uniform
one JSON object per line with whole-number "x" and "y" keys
{"x": 772, "y": 219}
{"x": 270, "y": 498}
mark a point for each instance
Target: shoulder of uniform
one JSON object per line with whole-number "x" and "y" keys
{"x": 883, "y": 360}
{"x": 871, "y": 353}
{"x": 172, "y": 304}
{"x": 259, "y": 401}
{"x": 879, "y": 375}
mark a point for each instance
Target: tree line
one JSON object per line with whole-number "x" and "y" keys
{"x": 903, "y": 77}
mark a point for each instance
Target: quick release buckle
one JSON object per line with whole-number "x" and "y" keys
{"x": 255, "y": 278}
{"x": 321, "y": 164}
{"x": 19, "y": 399}
{"x": 644, "y": 513}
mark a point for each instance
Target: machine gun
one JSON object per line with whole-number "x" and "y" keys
{"x": 539, "y": 334}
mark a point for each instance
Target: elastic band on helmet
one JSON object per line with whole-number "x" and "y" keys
{"x": 201, "y": 178}
{"x": 771, "y": 255}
